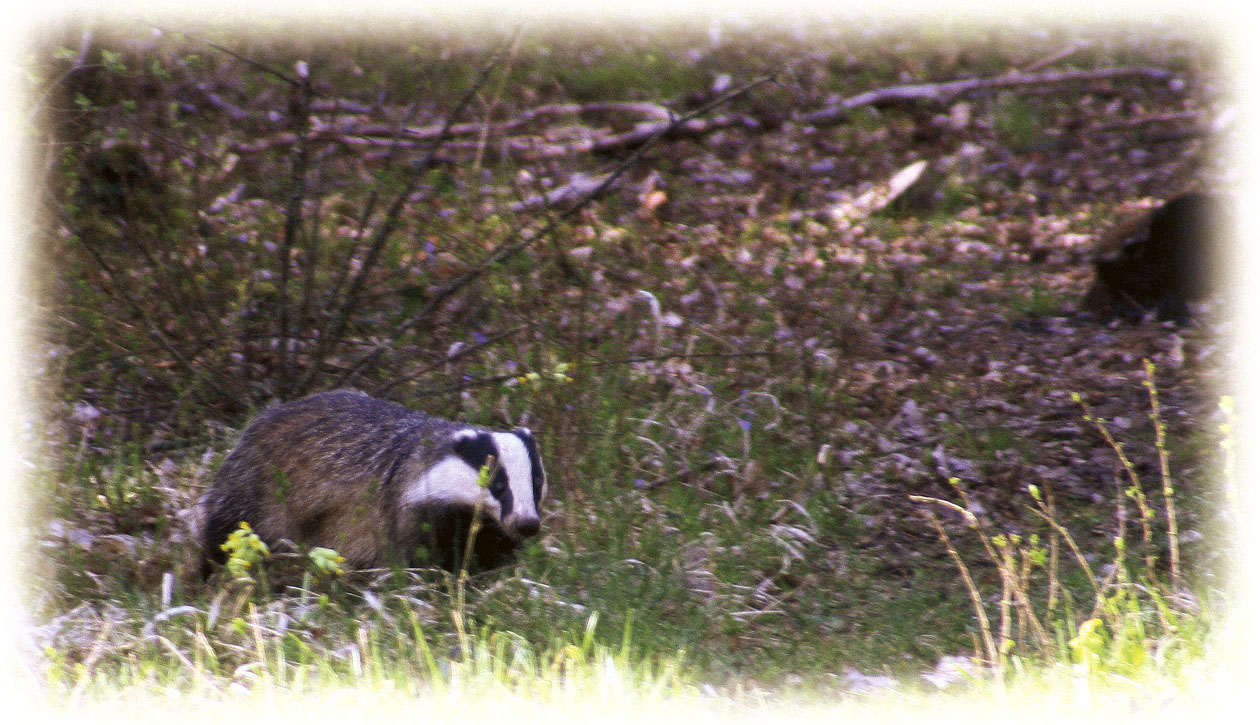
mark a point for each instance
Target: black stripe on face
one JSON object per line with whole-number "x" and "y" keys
{"x": 474, "y": 450}
{"x": 535, "y": 463}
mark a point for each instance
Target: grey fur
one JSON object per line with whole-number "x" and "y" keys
{"x": 332, "y": 469}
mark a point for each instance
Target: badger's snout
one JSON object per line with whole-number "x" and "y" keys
{"x": 521, "y": 526}
{"x": 526, "y": 527}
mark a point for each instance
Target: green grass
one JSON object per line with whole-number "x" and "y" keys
{"x": 675, "y": 589}
{"x": 392, "y": 664}
{"x": 1019, "y": 122}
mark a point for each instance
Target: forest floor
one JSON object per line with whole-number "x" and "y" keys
{"x": 740, "y": 362}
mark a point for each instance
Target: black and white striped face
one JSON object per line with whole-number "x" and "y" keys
{"x": 516, "y": 487}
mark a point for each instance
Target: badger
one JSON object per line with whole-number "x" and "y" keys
{"x": 1170, "y": 260}
{"x": 379, "y": 483}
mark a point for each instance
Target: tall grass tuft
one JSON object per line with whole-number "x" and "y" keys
{"x": 1141, "y": 608}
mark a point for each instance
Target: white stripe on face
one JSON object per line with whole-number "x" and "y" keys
{"x": 515, "y": 462}
{"x": 451, "y": 481}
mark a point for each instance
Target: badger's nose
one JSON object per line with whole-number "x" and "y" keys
{"x": 527, "y": 527}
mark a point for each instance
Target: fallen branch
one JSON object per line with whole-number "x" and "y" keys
{"x": 1197, "y": 118}
{"x": 948, "y": 91}
{"x": 357, "y": 132}
{"x": 578, "y": 185}
{"x": 654, "y": 131}
{"x": 345, "y": 128}
{"x": 531, "y": 148}
{"x": 352, "y": 126}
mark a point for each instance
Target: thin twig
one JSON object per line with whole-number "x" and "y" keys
{"x": 1165, "y": 475}
{"x": 991, "y": 650}
{"x": 331, "y": 336}
{"x": 450, "y": 358}
{"x": 680, "y": 356}
{"x": 292, "y": 220}
{"x": 369, "y": 211}
{"x": 524, "y": 239}
{"x": 119, "y": 293}
{"x": 1066, "y": 52}
{"x": 253, "y": 63}
{"x": 309, "y": 274}
{"x": 1021, "y": 597}
{"x": 1000, "y": 560}
{"x": 1076, "y": 552}
{"x": 483, "y": 136}
{"x": 1135, "y": 490}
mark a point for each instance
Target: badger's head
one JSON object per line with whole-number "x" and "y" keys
{"x": 517, "y": 484}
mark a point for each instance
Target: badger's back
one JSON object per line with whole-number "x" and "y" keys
{"x": 315, "y": 470}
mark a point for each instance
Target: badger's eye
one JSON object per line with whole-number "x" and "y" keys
{"x": 498, "y": 484}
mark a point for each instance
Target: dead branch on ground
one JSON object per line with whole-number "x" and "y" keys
{"x": 950, "y": 90}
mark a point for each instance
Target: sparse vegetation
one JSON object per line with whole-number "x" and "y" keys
{"x": 792, "y": 452}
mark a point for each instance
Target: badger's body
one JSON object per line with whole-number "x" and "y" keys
{"x": 1169, "y": 261}
{"x": 379, "y": 483}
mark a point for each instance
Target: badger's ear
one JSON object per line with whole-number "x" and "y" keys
{"x": 473, "y": 446}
